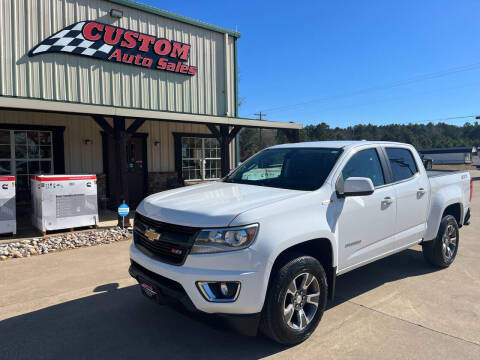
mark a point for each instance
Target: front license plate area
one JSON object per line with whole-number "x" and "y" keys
{"x": 149, "y": 290}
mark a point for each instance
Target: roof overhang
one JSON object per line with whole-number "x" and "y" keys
{"x": 27, "y": 104}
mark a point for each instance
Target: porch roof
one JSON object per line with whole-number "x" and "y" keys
{"x": 27, "y": 104}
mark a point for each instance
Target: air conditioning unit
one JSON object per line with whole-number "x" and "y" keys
{"x": 64, "y": 201}
{"x": 8, "y": 218}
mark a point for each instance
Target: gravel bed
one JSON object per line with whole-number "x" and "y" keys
{"x": 45, "y": 245}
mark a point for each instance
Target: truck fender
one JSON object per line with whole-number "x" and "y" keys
{"x": 296, "y": 244}
{"x": 441, "y": 201}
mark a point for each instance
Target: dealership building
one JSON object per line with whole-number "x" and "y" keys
{"x": 138, "y": 96}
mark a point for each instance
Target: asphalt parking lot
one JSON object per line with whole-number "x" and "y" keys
{"x": 82, "y": 304}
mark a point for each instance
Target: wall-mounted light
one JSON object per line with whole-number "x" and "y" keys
{"x": 156, "y": 143}
{"x": 87, "y": 142}
{"x": 116, "y": 13}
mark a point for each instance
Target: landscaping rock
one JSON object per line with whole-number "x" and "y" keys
{"x": 52, "y": 243}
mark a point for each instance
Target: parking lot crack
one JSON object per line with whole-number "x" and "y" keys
{"x": 413, "y": 323}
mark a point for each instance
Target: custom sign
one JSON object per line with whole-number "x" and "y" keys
{"x": 123, "y": 210}
{"x": 115, "y": 44}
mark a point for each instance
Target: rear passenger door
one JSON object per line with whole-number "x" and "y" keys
{"x": 411, "y": 191}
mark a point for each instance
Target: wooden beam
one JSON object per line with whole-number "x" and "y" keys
{"x": 213, "y": 129}
{"x": 100, "y": 120}
{"x": 132, "y": 129}
{"x": 234, "y": 132}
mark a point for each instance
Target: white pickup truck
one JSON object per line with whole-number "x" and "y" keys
{"x": 263, "y": 246}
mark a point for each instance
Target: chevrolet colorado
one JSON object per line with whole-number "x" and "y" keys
{"x": 264, "y": 245}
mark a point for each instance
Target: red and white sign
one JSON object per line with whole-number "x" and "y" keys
{"x": 116, "y": 44}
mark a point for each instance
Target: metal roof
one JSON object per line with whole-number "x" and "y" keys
{"x": 452, "y": 150}
{"x": 172, "y": 16}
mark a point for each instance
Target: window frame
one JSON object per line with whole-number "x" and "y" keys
{"x": 385, "y": 154}
{"x": 381, "y": 157}
{"x": 203, "y": 158}
{"x": 58, "y": 148}
{"x": 13, "y": 156}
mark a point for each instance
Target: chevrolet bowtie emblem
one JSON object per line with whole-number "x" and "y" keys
{"x": 152, "y": 235}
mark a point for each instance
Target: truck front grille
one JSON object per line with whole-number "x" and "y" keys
{"x": 165, "y": 242}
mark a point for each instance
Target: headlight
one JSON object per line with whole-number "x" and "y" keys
{"x": 228, "y": 239}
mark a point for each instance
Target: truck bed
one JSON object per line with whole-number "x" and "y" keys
{"x": 446, "y": 186}
{"x": 436, "y": 173}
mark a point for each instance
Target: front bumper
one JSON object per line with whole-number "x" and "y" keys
{"x": 166, "y": 291}
{"x": 245, "y": 266}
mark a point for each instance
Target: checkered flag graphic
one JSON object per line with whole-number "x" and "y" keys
{"x": 70, "y": 40}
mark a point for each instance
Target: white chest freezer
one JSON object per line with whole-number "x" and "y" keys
{"x": 64, "y": 201}
{"x": 8, "y": 219}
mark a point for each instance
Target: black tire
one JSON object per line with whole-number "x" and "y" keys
{"x": 273, "y": 323}
{"x": 435, "y": 251}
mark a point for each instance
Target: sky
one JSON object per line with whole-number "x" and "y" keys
{"x": 348, "y": 62}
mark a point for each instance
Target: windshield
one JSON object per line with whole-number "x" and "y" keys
{"x": 287, "y": 168}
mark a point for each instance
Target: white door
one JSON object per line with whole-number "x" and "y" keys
{"x": 412, "y": 196}
{"x": 366, "y": 224}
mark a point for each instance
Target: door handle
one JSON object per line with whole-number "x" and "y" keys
{"x": 387, "y": 200}
{"x": 421, "y": 192}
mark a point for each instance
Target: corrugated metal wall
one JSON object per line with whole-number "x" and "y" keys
{"x": 25, "y": 23}
{"x": 86, "y": 159}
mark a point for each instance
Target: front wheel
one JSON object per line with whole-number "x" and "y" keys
{"x": 296, "y": 300}
{"x": 443, "y": 249}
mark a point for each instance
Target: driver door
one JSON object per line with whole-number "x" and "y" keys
{"x": 366, "y": 224}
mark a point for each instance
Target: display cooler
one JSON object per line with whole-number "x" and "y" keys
{"x": 64, "y": 201}
{"x": 8, "y": 220}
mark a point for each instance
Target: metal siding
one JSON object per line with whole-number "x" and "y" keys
{"x": 91, "y": 81}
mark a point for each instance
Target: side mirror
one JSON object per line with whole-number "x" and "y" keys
{"x": 358, "y": 186}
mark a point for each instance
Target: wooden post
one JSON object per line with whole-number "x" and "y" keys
{"x": 225, "y": 137}
{"x": 225, "y": 149}
{"x": 120, "y": 136}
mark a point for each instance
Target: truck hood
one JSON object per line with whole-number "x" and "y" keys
{"x": 209, "y": 205}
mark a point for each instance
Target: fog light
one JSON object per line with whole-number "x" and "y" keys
{"x": 219, "y": 291}
{"x": 224, "y": 289}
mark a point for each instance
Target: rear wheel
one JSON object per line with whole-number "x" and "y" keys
{"x": 443, "y": 249}
{"x": 295, "y": 302}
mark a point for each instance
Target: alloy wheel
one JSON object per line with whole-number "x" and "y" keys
{"x": 301, "y": 301}
{"x": 449, "y": 242}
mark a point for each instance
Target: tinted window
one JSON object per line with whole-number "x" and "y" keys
{"x": 288, "y": 168}
{"x": 402, "y": 163}
{"x": 365, "y": 163}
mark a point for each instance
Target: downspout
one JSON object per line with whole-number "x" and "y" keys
{"x": 227, "y": 78}
{"x": 235, "y": 79}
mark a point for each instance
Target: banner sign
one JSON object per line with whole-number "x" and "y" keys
{"x": 115, "y": 44}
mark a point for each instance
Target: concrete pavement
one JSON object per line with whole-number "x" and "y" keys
{"x": 81, "y": 304}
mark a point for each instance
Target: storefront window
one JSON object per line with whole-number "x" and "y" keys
{"x": 24, "y": 153}
{"x": 200, "y": 158}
